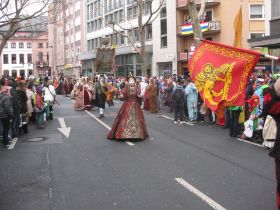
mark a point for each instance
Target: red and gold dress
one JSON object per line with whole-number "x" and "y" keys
{"x": 130, "y": 122}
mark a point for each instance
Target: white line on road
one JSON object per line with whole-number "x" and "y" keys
{"x": 170, "y": 118}
{"x": 98, "y": 120}
{"x": 248, "y": 142}
{"x": 130, "y": 143}
{"x": 199, "y": 194}
{"x": 13, "y": 144}
{"x": 105, "y": 125}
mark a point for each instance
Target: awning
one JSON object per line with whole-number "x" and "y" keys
{"x": 272, "y": 41}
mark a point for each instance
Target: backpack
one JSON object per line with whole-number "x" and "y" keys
{"x": 178, "y": 96}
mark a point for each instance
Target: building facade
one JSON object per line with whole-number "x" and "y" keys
{"x": 66, "y": 40}
{"x": 121, "y": 15}
{"x": 20, "y": 54}
{"x": 271, "y": 41}
{"x": 218, "y": 23}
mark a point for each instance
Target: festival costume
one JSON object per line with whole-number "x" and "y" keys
{"x": 130, "y": 122}
{"x": 146, "y": 99}
{"x": 153, "y": 97}
{"x": 79, "y": 103}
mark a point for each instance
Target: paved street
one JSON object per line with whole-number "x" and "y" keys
{"x": 188, "y": 167}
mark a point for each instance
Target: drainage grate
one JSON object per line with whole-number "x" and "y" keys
{"x": 36, "y": 139}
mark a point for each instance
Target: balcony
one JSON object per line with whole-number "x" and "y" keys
{"x": 210, "y": 27}
{"x": 42, "y": 63}
{"x": 181, "y": 4}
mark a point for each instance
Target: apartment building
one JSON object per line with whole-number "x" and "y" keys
{"x": 19, "y": 56}
{"x": 66, "y": 37}
{"x": 271, "y": 40}
{"x": 122, "y": 15}
{"x": 217, "y": 23}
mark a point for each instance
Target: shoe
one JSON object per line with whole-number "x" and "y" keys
{"x": 175, "y": 122}
{"x": 225, "y": 127}
{"x": 181, "y": 123}
{"x": 101, "y": 116}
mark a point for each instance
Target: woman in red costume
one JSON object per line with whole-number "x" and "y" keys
{"x": 130, "y": 122}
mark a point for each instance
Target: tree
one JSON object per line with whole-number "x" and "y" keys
{"x": 143, "y": 21}
{"x": 17, "y": 14}
{"x": 195, "y": 18}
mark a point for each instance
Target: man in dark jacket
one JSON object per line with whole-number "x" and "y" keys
{"x": 16, "y": 110}
{"x": 178, "y": 96}
{"x": 6, "y": 112}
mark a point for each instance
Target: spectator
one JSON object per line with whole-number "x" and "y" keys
{"x": 178, "y": 96}
{"x": 6, "y": 113}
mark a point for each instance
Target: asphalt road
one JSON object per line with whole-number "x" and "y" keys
{"x": 188, "y": 167}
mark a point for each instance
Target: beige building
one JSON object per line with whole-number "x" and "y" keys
{"x": 66, "y": 37}
{"x": 219, "y": 17}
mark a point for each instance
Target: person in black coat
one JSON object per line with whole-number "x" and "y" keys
{"x": 100, "y": 98}
{"x": 6, "y": 113}
{"x": 21, "y": 92}
{"x": 16, "y": 109}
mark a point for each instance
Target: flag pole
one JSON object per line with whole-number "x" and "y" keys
{"x": 271, "y": 57}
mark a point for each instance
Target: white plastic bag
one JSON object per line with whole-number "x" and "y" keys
{"x": 248, "y": 128}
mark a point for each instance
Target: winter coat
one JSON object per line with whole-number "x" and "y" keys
{"x": 6, "y": 108}
{"x": 23, "y": 101}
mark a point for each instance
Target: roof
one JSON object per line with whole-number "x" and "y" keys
{"x": 37, "y": 24}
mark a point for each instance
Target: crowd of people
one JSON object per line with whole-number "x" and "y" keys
{"x": 22, "y": 102}
{"x": 178, "y": 95}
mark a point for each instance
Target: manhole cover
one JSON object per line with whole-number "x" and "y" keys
{"x": 35, "y": 139}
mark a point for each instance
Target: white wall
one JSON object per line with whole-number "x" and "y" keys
{"x": 168, "y": 54}
{"x": 267, "y": 7}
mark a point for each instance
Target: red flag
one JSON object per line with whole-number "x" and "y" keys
{"x": 220, "y": 74}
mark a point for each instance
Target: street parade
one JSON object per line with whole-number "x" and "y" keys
{"x": 140, "y": 104}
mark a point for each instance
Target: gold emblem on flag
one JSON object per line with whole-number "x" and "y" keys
{"x": 207, "y": 79}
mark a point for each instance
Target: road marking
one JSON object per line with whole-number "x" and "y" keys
{"x": 64, "y": 130}
{"x": 130, "y": 143}
{"x": 98, "y": 120}
{"x": 170, "y": 118}
{"x": 199, "y": 194}
{"x": 13, "y": 144}
{"x": 248, "y": 142}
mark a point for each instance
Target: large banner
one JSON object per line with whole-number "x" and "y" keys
{"x": 221, "y": 73}
{"x": 105, "y": 60}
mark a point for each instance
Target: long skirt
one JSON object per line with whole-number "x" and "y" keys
{"x": 79, "y": 103}
{"x": 130, "y": 122}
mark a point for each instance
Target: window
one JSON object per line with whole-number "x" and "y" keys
{"x": 121, "y": 38}
{"x": 21, "y": 45}
{"x": 21, "y": 58}
{"x": 163, "y": 28}
{"x": 6, "y": 45}
{"x": 5, "y": 59}
{"x": 40, "y": 45}
{"x": 147, "y": 7}
{"x": 29, "y": 58}
{"x": 256, "y": 11}
{"x": 13, "y": 45}
{"x": 14, "y": 58}
{"x": 40, "y": 56}
{"x": 121, "y": 16}
{"x": 136, "y": 35}
{"x": 256, "y": 35}
{"x": 29, "y": 45}
{"x": 275, "y": 13}
{"x": 149, "y": 32}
